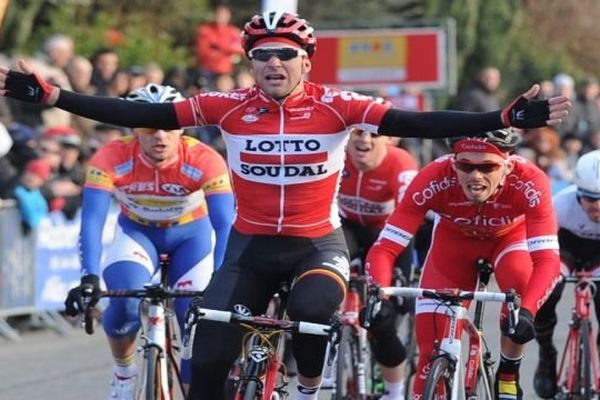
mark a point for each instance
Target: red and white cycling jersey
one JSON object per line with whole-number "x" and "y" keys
{"x": 285, "y": 159}
{"x": 168, "y": 195}
{"x": 524, "y": 200}
{"x": 369, "y": 197}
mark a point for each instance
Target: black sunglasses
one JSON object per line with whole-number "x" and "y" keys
{"x": 283, "y": 53}
{"x": 484, "y": 168}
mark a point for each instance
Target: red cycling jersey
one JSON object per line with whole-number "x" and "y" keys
{"x": 168, "y": 195}
{"x": 369, "y": 197}
{"x": 521, "y": 210}
{"x": 285, "y": 170}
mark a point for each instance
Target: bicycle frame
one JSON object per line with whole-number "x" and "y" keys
{"x": 350, "y": 317}
{"x": 458, "y": 321}
{"x": 265, "y": 360}
{"x": 158, "y": 334}
{"x": 567, "y": 376}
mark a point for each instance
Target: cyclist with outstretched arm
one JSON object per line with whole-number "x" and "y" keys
{"x": 176, "y": 199}
{"x": 285, "y": 141}
{"x": 578, "y": 213}
{"x": 490, "y": 205}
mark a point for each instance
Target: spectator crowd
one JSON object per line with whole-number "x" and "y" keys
{"x": 43, "y": 151}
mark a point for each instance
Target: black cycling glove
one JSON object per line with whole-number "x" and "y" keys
{"x": 382, "y": 319}
{"x": 524, "y": 113}
{"x": 27, "y": 87}
{"x": 524, "y": 330}
{"x": 89, "y": 288}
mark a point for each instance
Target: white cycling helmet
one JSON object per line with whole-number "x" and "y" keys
{"x": 587, "y": 174}
{"x": 153, "y": 93}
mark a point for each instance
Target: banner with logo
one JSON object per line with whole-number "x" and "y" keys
{"x": 369, "y": 57}
{"x": 57, "y": 257}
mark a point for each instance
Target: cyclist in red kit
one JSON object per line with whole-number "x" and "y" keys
{"x": 374, "y": 179}
{"x": 490, "y": 205}
{"x": 285, "y": 140}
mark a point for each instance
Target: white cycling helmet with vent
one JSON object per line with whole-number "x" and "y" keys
{"x": 153, "y": 93}
{"x": 587, "y": 174}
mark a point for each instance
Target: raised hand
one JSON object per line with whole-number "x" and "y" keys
{"x": 26, "y": 85}
{"x": 526, "y": 112}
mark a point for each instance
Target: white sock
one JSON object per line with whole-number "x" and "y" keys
{"x": 394, "y": 390}
{"x": 125, "y": 371}
{"x": 307, "y": 393}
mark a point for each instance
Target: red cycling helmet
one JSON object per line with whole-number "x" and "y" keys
{"x": 279, "y": 24}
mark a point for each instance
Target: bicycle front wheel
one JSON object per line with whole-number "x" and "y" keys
{"x": 485, "y": 382}
{"x": 584, "y": 372}
{"x": 353, "y": 367}
{"x": 153, "y": 385}
{"x": 439, "y": 381}
{"x": 251, "y": 391}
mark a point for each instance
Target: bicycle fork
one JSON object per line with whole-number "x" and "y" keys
{"x": 156, "y": 337}
{"x": 451, "y": 345}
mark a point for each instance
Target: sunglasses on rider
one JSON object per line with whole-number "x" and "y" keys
{"x": 264, "y": 54}
{"x": 484, "y": 168}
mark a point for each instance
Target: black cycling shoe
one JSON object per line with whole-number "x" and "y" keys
{"x": 544, "y": 380}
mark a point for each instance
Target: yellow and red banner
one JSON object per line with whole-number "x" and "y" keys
{"x": 370, "y": 57}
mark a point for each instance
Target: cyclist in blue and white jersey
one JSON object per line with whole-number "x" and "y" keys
{"x": 578, "y": 211}
{"x": 176, "y": 199}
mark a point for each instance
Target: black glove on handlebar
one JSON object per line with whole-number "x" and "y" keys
{"x": 89, "y": 288}
{"x": 524, "y": 329}
{"x": 383, "y": 318}
{"x": 27, "y": 87}
{"x": 523, "y": 113}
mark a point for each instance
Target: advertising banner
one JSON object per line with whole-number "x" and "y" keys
{"x": 375, "y": 57}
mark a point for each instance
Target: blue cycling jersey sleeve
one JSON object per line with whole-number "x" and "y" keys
{"x": 93, "y": 216}
{"x": 220, "y": 212}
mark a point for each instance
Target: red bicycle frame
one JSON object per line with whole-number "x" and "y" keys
{"x": 570, "y": 360}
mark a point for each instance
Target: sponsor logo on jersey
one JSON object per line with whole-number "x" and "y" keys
{"x": 549, "y": 242}
{"x": 481, "y": 220}
{"x": 365, "y": 207}
{"x": 434, "y": 187}
{"x": 346, "y": 95}
{"x": 396, "y": 235}
{"x": 272, "y": 158}
{"x": 249, "y": 118}
{"x": 174, "y": 188}
{"x": 135, "y": 187}
{"x": 225, "y": 95}
{"x": 532, "y": 194}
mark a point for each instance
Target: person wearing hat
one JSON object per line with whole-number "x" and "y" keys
{"x": 285, "y": 140}
{"x": 31, "y": 202}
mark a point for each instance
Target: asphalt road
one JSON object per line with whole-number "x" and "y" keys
{"x": 47, "y": 365}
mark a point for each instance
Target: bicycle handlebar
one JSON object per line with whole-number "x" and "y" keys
{"x": 510, "y": 297}
{"x": 150, "y": 291}
{"x": 580, "y": 277}
{"x": 196, "y": 313}
{"x": 310, "y": 328}
{"x": 449, "y": 294}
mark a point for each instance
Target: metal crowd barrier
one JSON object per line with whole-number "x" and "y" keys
{"x": 17, "y": 268}
{"x": 38, "y": 268}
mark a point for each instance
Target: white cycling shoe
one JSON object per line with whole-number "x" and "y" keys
{"x": 122, "y": 389}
